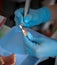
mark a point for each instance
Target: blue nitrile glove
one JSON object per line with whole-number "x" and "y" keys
{"x": 18, "y": 16}
{"x": 34, "y": 17}
{"x": 45, "y": 47}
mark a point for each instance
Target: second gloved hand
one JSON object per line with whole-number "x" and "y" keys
{"x": 45, "y": 47}
{"x": 34, "y": 17}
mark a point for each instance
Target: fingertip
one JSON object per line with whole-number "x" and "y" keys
{"x": 27, "y": 19}
{"x": 30, "y": 36}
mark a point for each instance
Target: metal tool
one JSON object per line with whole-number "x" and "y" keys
{"x": 27, "y": 5}
{"x": 26, "y": 10}
{"x": 23, "y": 30}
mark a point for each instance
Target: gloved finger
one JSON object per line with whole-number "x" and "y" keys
{"x": 18, "y": 20}
{"x": 30, "y": 46}
{"x": 40, "y": 39}
{"x": 33, "y": 38}
{"x": 27, "y": 25}
{"x": 19, "y": 16}
{"x": 19, "y": 11}
{"x": 29, "y": 43}
{"x": 28, "y": 22}
{"x": 32, "y": 10}
{"x": 27, "y": 19}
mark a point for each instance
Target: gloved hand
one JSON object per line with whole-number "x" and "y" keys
{"x": 45, "y": 47}
{"x": 34, "y": 17}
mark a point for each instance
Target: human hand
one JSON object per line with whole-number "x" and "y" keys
{"x": 34, "y": 17}
{"x": 45, "y": 47}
